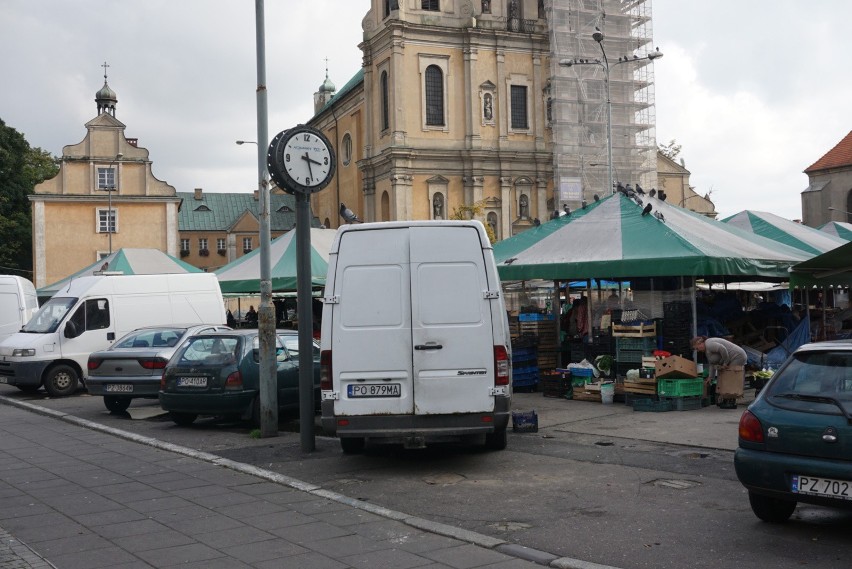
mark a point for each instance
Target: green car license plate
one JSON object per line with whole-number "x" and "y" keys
{"x": 374, "y": 390}
{"x": 827, "y": 487}
{"x": 192, "y": 382}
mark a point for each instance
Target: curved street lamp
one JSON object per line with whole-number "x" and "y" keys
{"x": 598, "y": 36}
{"x": 241, "y": 142}
{"x": 848, "y": 213}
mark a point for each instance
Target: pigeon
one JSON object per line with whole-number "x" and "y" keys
{"x": 348, "y": 215}
{"x": 662, "y": 195}
{"x": 659, "y": 215}
{"x": 647, "y": 209}
{"x": 639, "y": 190}
{"x": 597, "y": 198}
{"x": 585, "y": 204}
{"x": 652, "y": 193}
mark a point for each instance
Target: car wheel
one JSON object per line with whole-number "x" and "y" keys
{"x": 352, "y": 445}
{"x": 496, "y": 440}
{"x": 183, "y": 419}
{"x": 772, "y": 510}
{"x": 116, "y": 404}
{"x": 61, "y": 380}
{"x": 29, "y": 388}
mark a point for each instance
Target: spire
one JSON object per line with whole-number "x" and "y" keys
{"x": 106, "y": 98}
{"x": 325, "y": 92}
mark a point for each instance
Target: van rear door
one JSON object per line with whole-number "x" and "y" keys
{"x": 371, "y": 342}
{"x": 453, "y": 356}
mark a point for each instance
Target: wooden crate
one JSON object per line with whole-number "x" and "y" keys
{"x": 644, "y": 387}
{"x": 582, "y": 394}
{"x": 635, "y": 330}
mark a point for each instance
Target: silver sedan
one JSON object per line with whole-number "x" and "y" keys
{"x": 132, "y": 367}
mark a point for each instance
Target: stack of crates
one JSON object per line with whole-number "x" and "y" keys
{"x": 555, "y": 383}
{"x": 682, "y": 394}
{"x": 630, "y": 351}
{"x": 525, "y": 363}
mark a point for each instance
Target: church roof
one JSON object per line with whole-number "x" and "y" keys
{"x": 837, "y": 157}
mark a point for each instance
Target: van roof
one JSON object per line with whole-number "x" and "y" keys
{"x": 380, "y": 225}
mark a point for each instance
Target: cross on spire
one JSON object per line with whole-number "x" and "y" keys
{"x": 105, "y": 65}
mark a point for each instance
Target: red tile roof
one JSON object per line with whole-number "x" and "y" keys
{"x": 837, "y": 157}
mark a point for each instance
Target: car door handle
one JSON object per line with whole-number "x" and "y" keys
{"x": 428, "y": 347}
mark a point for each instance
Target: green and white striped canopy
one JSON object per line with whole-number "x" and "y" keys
{"x": 613, "y": 239}
{"x": 242, "y": 276}
{"x": 128, "y": 261}
{"x": 838, "y": 228}
{"x": 808, "y": 239}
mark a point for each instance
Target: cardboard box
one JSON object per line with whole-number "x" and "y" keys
{"x": 729, "y": 382}
{"x": 675, "y": 367}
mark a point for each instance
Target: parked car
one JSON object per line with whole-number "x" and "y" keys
{"x": 795, "y": 440}
{"x": 217, "y": 374}
{"x": 133, "y": 366}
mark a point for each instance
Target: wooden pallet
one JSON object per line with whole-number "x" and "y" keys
{"x": 635, "y": 330}
{"x": 642, "y": 387}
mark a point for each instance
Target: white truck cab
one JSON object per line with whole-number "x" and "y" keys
{"x": 88, "y": 314}
{"x": 415, "y": 336}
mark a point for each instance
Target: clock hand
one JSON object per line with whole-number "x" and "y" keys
{"x": 314, "y": 161}
{"x": 307, "y": 159}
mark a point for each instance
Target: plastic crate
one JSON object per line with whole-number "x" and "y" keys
{"x": 680, "y": 387}
{"x": 533, "y": 317}
{"x": 525, "y": 421}
{"x": 581, "y": 371}
{"x": 684, "y": 403}
{"x": 648, "y": 344}
{"x": 652, "y": 405}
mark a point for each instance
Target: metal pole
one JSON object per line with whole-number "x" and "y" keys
{"x": 608, "y": 128}
{"x": 304, "y": 310}
{"x": 266, "y": 314}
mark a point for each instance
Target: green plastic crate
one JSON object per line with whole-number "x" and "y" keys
{"x": 680, "y": 387}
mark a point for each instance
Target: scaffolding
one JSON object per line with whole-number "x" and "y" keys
{"x": 579, "y": 108}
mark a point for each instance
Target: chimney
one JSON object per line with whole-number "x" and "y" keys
{"x": 255, "y": 194}
{"x": 198, "y": 193}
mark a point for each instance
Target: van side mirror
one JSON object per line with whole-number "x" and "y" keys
{"x": 71, "y": 330}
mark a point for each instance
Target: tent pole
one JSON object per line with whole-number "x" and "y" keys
{"x": 557, "y": 312}
{"x": 694, "y": 304}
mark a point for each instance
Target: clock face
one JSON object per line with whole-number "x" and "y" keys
{"x": 301, "y": 160}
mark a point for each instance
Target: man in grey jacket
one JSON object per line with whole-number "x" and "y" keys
{"x": 721, "y": 354}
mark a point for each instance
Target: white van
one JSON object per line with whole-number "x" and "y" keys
{"x": 415, "y": 336}
{"x": 90, "y": 313}
{"x": 18, "y": 303}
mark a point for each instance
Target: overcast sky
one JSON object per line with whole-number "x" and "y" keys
{"x": 754, "y": 91}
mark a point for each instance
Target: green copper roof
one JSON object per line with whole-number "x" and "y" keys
{"x": 220, "y": 211}
{"x": 356, "y": 80}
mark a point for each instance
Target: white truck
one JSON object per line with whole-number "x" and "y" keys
{"x": 415, "y": 336}
{"x": 18, "y": 303}
{"x": 90, "y": 313}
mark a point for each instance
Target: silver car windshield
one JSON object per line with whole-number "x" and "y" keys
{"x": 150, "y": 338}
{"x": 50, "y": 315}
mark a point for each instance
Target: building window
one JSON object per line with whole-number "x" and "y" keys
{"x": 434, "y": 96}
{"x": 346, "y": 149}
{"x": 385, "y": 102}
{"x": 519, "y": 107}
{"x": 184, "y": 244}
{"x": 246, "y": 244}
{"x": 390, "y": 6}
{"x": 107, "y": 220}
{"x": 106, "y": 178}
{"x": 202, "y": 244}
{"x": 431, "y": 5}
{"x": 220, "y": 244}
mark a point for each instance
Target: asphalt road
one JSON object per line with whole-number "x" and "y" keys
{"x": 613, "y": 500}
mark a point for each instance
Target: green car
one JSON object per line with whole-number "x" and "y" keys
{"x": 217, "y": 374}
{"x": 795, "y": 440}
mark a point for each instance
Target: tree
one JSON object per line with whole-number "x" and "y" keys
{"x": 670, "y": 150}
{"x": 465, "y": 212}
{"x": 21, "y": 168}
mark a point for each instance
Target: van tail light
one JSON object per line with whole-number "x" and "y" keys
{"x": 325, "y": 370}
{"x": 152, "y": 363}
{"x": 501, "y": 365}
{"x": 94, "y": 363}
{"x": 750, "y": 428}
{"x": 234, "y": 381}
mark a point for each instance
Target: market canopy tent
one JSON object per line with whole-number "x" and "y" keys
{"x": 613, "y": 239}
{"x": 128, "y": 261}
{"x": 777, "y": 228}
{"x": 242, "y": 276}
{"x": 829, "y": 269}
{"x": 838, "y": 228}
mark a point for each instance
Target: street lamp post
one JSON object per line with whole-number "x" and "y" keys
{"x": 598, "y": 36}
{"x": 110, "y": 190}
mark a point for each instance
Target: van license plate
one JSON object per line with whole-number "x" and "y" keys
{"x": 192, "y": 382}
{"x": 822, "y": 487}
{"x": 374, "y": 390}
{"x": 118, "y": 388}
